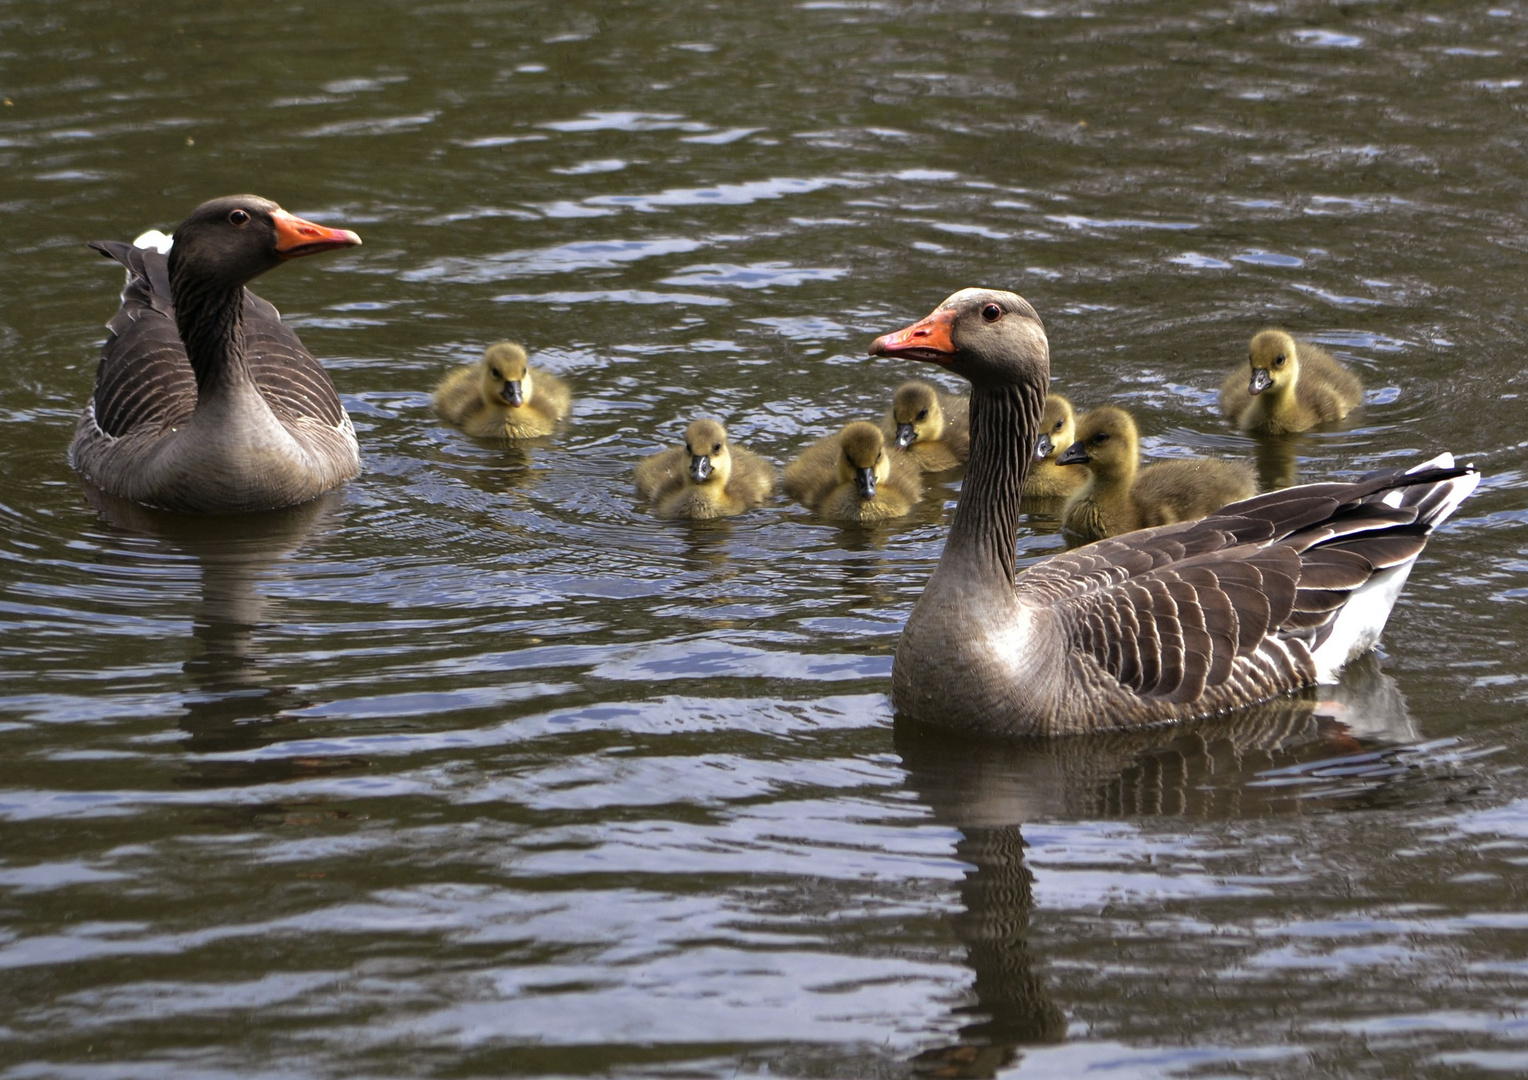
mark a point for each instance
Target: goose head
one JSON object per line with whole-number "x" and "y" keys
{"x": 915, "y": 411}
{"x": 710, "y": 460}
{"x": 1275, "y": 361}
{"x": 862, "y": 458}
{"x": 228, "y": 242}
{"x": 1107, "y": 443}
{"x": 506, "y": 375}
{"x": 1058, "y": 427}
{"x": 988, "y": 336}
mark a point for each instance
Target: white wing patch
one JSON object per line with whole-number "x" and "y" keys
{"x": 154, "y": 240}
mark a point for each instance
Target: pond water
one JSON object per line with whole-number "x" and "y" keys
{"x": 474, "y": 769}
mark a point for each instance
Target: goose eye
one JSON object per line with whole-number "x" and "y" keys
{"x": 1102, "y": 436}
{"x": 992, "y": 313}
{"x": 1058, "y": 425}
{"x": 922, "y": 414}
{"x": 495, "y": 373}
{"x": 238, "y": 217}
{"x": 1278, "y": 361}
{"x": 716, "y": 448}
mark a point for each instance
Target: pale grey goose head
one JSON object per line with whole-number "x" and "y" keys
{"x": 988, "y": 336}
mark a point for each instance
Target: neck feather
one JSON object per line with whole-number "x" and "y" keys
{"x": 1005, "y": 421}
{"x": 210, "y": 319}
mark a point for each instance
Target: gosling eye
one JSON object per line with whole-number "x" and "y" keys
{"x": 716, "y": 448}
{"x": 1058, "y": 426}
{"x": 1278, "y": 361}
{"x": 922, "y": 414}
{"x": 495, "y": 373}
{"x": 992, "y": 313}
{"x": 237, "y": 217}
{"x": 1101, "y": 437}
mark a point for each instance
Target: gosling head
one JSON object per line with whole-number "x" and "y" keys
{"x": 916, "y": 412}
{"x": 1058, "y": 427}
{"x": 862, "y": 457}
{"x": 1107, "y": 443}
{"x": 710, "y": 461}
{"x": 1275, "y": 361}
{"x": 506, "y": 375}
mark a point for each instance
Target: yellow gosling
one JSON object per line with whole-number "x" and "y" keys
{"x": 930, "y": 425}
{"x": 502, "y": 396}
{"x": 1119, "y": 497}
{"x": 707, "y": 477}
{"x": 1288, "y": 386}
{"x": 851, "y": 477}
{"x": 1058, "y": 430}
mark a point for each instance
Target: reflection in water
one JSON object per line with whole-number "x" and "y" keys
{"x": 1278, "y": 460}
{"x": 234, "y": 706}
{"x": 1243, "y": 764}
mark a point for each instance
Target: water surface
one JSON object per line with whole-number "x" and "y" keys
{"x": 474, "y": 769}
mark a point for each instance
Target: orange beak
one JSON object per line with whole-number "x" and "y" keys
{"x": 296, "y": 237}
{"x": 928, "y": 339}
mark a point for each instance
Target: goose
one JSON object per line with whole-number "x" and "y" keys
{"x": 707, "y": 477}
{"x": 1293, "y": 386}
{"x": 204, "y": 399}
{"x": 929, "y": 425}
{"x": 849, "y": 476}
{"x": 1046, "y": 479}
{"x": 502, "y": 396}
{"x": 1115, "y": 498}
{"x": 1265, "y": 596}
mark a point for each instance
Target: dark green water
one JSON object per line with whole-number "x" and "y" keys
{"x": 476, "y": 770}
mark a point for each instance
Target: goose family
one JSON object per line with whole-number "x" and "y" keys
{"x": 849, "y": 476}
{"x": 204, "y": 399}
{"x": 1288, "y": 386}
{"x": 707, "y": 477}
{"x": 1117, "y": 498}
{"x": 1171, "y": 623}
{"x": 502, "y": 396}
{"x": 1058, "y": 430}
{"x": 928, "y": 424}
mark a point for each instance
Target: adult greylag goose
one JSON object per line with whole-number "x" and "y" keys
{"x": 849, "y": 476}
{"x": 1119, "y": 497}
{"x": 204, "y": 399}
{"x": 929, "y": 425}
{"x": 707, "y": 477}
{"x": 1267, "y": 595}
{"x": 1291, "y": 386}
{"x": 502, "y": 396}
{"x": 1058, "y": 430}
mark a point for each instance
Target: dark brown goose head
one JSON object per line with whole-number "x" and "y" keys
{"x": 221, "y": 247}
{"x": 230, "y": 241}
{"x": 988, "y": 336}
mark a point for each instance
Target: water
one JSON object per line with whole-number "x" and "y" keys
{"x": 474, "y": 769}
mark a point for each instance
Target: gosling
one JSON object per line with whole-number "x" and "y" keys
{"x": 850, "y": 477}
{"x": 1117, "y": 499}
{"x": 1293, "y": 386}
{"x": 1058, "y": 430}
{"x": 502, "y": 396}
{"x": 930, "y": 425}
{"x": 707, "y": 477}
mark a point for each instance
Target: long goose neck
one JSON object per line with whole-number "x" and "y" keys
{"x": 210, "y": 319}
{"x": 1005, "y": 421}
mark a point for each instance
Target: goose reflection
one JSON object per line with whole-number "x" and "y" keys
{"x": 1219, "y": 768}
{"x": 235, "y": 704}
